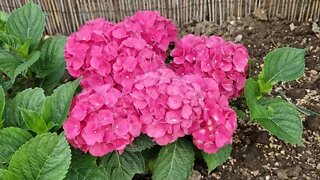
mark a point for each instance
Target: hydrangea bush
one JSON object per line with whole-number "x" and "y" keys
{"x": 188, "y": 98}
{"x": 135, "y": 111}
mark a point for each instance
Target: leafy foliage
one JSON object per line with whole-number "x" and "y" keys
{"x": 57, "y": 105}
{"x": 175, "y": 161}
{"x": 278, "y": 116}
{"x": 31, "y": 99}
{"x": 141, "y": 143}
{"x": 123, "y": 166}
{"x": 216, "y": 159}
{"x": 46, "y": 156}
{"x": 51, "y": 56}
{"x": 7, "y": 175}
{"x": 84, "y": 167}
{"x": 27, "y": 23}
{"x": 2, "y": 104}
{"x": 10, "y": 140}
{"x": 285, "y": 121}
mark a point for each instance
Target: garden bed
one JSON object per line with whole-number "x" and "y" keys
{"x": 256, "y": 155}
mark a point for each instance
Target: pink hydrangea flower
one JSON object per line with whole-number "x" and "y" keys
{"x": 212, "y": 57}
{"x": 173, "y": 106}
{"x": 102, "y": 121}
{"x": 121, "y": 51}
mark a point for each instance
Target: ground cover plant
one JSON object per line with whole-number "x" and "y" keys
{"x": 148, "y": 101}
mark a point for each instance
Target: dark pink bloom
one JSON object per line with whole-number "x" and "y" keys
{"x": 212, "y": 57}
{"x": 96, "y": 127}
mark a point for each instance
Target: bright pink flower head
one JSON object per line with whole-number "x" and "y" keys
{"x": 166, "y": 104}
{"x": 218, "y": 127}
{"x": 102, "y": 121}
{"x": 122, "y": 51}
{"x": 173, "y": 106}
{"x": 83, "y": 50}
{"x": 212, "y": 57}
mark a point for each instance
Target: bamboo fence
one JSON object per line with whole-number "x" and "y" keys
{"x": 65, "y": 16}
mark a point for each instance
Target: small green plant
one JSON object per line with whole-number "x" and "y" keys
{"x": 278, "y": 116}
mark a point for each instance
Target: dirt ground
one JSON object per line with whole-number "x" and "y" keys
{"x": 256, "y": 154}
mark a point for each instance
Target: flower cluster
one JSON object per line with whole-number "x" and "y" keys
{"x": 128, "y": 90}
{"x": 212, "y": 57}
{"x": 103, "y": 52}
{"x": 102, "y": 121}
{"x": 173, "y": 106}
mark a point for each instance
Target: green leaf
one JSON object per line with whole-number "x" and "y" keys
{"x": 285, "y": 123}
{"x": 9, "y": 63}
{"x": 175, "y": 161}
{"x": 12, "y": 65}
{"x": 31, "y": 99}
{"x": 23, "y": 50}
{"x": 240, "y": 114}
{"x": 283, "y": 64}
{"x": 3, "y": 19}
{"x": 52, "y": 56}
{"x": 27, "y": 23}
{"x": 84, "y": 167}
{"x": 123, "y": 166}
{"x": 11, "y": 41}
{"x": 34, "y": 121}
{"x": 50, "y": 82}
{"x": 252, "y": 95}
{"x": 4, "y": 16}
{"x": 217, "y": 159}
{"x": 2, "y": 102}
{"x": 7, "y": 175}
{"x": 141, "y": 143}
{"x": 10, "y": 140}
{"x": 46, "y": 156}
{"x": 57, "y": 105}
{"x": 3, "y": 166}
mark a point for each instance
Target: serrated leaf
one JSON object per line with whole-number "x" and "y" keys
{"x": 34, "y": 121}
{"x": 285, "y": 123}
{"x": 33, "y": 57}
{"x": 13, "y": 65}
{"x": 31, "y": 99}
{"x": 57, "y": 105}
{"x": 26, "y": 23}
{"x": 85, "y": 167}
{"x": 141, "y": 143}
{"x": 10, "y": 140}
{"x": 52, "y": 56}
{"x": 217, "y": 159}
{"x": 51, "y": 81}
{"x": 252, "y": 94}
{"x": 123, "y": 166}
{"x": 283, "y": 64}
{"x": 175, "y": 161}
{"x": 2, "y": 102}
{"x": 7, "y": 175}
{"x": 46, "y": 156}
{"x": 10, "y": 41}
{"x": 9, "y": 62}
